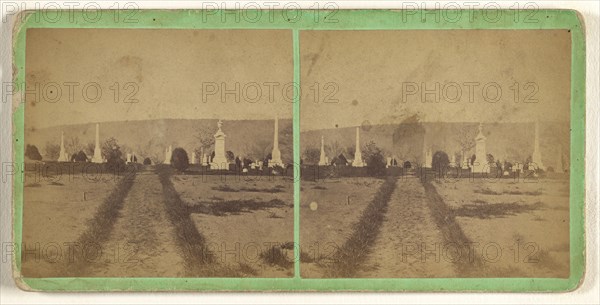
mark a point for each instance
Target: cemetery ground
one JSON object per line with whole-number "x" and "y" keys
{"x": 408, "y": 227}
{"x": 156, "y": 222}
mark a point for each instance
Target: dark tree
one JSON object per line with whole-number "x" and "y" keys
{"x": 341, "y": 160}
{"x": 52, "y": 151}
{"x": 32, "y": 152}
{"x": 80, "y": 156}
{"x": 376, "y": 165}
{"x": 490, "y": 158}
{"x": 407, "y": 164}
{"x": 311, "y": 155}
{"x": 230, "y": 156}
{"x": 112, "y": 152}
{"x": 179, "y": 159}
{"x": 440, "y": 161}
{"x": 147, "y": 161}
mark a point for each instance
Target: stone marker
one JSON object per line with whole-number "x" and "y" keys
{"x": 322, "y": 158}
{"x": 358, "y": 161}
{"x": 97, "y": 158}
{"x": 276, "y": 153}
{"x": 536, "y": 157}
{"x": 62, "y": 157}
{"x": 219, "y": 162}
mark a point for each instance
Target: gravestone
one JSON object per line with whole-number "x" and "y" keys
{"x": 322, "y": 158}
{"x": 219, "y": 162}
{"x": 62, "y": 156}
{"x": 97, "y": 158}
{"x": 358, "y": 161}
{"x": 276, "y": 153}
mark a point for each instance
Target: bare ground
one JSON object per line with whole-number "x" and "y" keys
{"x": 247, "y": 223}
{"x": 143, "y": 236}
{"x": 521, "y": 228}
{"x": 406, "y": 245}
{"x": 55, "y": 214}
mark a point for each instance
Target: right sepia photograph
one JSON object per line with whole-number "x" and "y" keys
{"x": 435, "y": 154}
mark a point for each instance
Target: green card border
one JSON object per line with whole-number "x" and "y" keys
{"x": 317, "y": 20}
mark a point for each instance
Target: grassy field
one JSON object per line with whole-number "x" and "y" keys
{"x": 528, "y": 222}
{"x": 56, "y": 212}
{"x": 247, "y": 222}
{"x": 329, "y": 210}
{"x": 462, "y": 228}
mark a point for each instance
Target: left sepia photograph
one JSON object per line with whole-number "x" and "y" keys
{"x": 158, "y": 153}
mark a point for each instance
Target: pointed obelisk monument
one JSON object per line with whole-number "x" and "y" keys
{"x": 276, "y": 153}
{"x": 168, "y": 154}
{"x": 480, "y": 165}
{"x": 358, "y": 161}
{"x": 97, "y": 158}
{"x": 428, "y": 158}
{"x": 536, "y": 157}
{"x": 219, "y": 162}
{"x": 62, "y": 157}
{"x": 322, "y": 158}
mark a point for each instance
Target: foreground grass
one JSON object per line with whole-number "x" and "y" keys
{"x": 355, "y": 250}
{"x": 445, "y": 220}
{"x": 234, "y": 207}
{"x": 200, "y": 261}
{"x": 100, "y": 226}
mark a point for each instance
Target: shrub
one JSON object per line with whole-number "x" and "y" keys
{"x": 32, "y": 152}
{"x": 179, "y": 159}
{"x": 230, "y": 156}
{"x": 80, "y": 157}
{"x": 147, "y": 161}
{"x": 440, "y": 160}
{"x": 376, "y": 164}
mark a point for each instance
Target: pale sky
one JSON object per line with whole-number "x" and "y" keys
{"x": 367, "y": 72}
{"x": 168, "y": 67}
{"x": 369, "y": 69}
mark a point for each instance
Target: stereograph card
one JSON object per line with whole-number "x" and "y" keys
{"x": 357, "y": 150}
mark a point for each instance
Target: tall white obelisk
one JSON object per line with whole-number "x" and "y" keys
{"x": 97, "y": 151}
{"x": 168, "y": 154}
{"x": 322, "y": 158}
{"x": 536, "y": 157}
{"x": 480, "y": 165}
{"x": 219, "y": 162}
{"x": 62, "y": 157}
{"x": 276, "y": 153}
{"x": 358, "y": 161}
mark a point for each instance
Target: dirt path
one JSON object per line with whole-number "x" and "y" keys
{"x": 142, "y": 242}
{"x": 410, "y": 243}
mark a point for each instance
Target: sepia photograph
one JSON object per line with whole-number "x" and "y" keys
{"x": 435, "y": 154}
{"x": 158, "y": 154}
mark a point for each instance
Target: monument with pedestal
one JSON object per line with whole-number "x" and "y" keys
{"x": 481, "y": 165}
{"x": 62, "y": 156}
{"x": 276, "y": 153}
{"x": 219, "y": 162}
{"x": 168, "y": 154}
{"x": 358, "y": 161}
{"x": 428, "y": 158}
{"x": 322, "y": 158}
{"x": 536, "y": 157}
{"x": 97, "y": 158}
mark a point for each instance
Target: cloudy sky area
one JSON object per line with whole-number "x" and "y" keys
{"x": 182, "y": 73}
{"x": 369, "y": 69}
{"x": 169, "y": 68}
